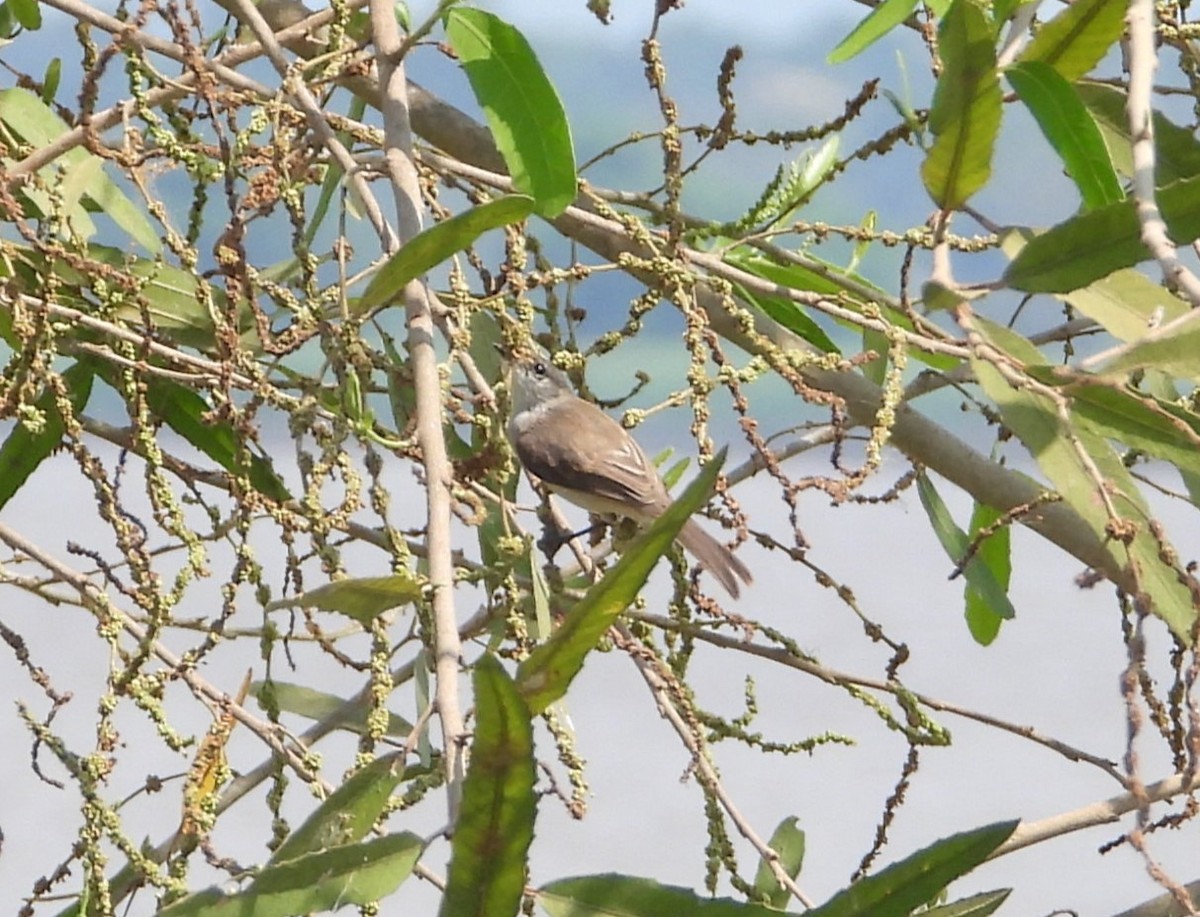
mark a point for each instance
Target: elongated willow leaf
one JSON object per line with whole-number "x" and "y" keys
{"x": 1076, "y": 40}
{"x": 488, "y": 853}
{"x": 1176, "y": 149}
{"x": 434, "y": 245}
{"x": 877, "y": 23}
{"x": 1093, "y": 245}
{"x": 322, "y": 881}
{"x": 1070, "y": 129}
{"x": 916, "y": 880}
{"x": 26, "y": 448}
{"x": 633, "y": 896}
{"x": 1088, "y": 475}
{"x": 522, "y": 107}
{"x": 965, "y": 116}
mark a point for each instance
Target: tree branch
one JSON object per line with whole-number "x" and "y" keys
{"x": 398, "y": 153}
{"x": 1097, "y": 813}
{"x": 1142, "y": 62}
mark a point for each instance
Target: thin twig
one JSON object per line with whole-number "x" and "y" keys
{"x": 249, "y": 14}
{"x": 834, "y": 677}
{"x": 650, "y": 673}
{"x": 578, "y": 216}
{"x": 923, "y": 441}
{"x": 181, "y": 86}
{"x": 99, "y": 602}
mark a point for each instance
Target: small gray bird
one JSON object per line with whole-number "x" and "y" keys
{"x": 582, "y": 454}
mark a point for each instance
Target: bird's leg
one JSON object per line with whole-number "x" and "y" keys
{"x": 554, "y": 538}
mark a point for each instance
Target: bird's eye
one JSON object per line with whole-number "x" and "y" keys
{"x": 539, "y": 368}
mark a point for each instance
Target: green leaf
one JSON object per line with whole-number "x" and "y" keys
{"x": 361, "y": 599}
{"x": 995, "y": 553}
{"x": 1180, "y": 206}
{"x": 25, "y": 449}
{"x": 1092, "y": 245}
{"x": 912, "y": 882}
{"x": 816, "y": 168}
{"x": 790, "y": 315}
{"x": 1191, "y": 483}
{"x": 542, "y": 625}
{"x": 793, "y": 276}
{"x": 1127, "y": 303}
{"x": 169, "y": 299}
{"x": 522, "y": 107}
{"x": 1003, "y": 10}
{"x": 1069, "y": 128}
{"x": 422, "y": 699}
{"x": 629, "y": 896}
{"x": 980, "y": 577}
{"x": 981, "y": 905}
{"x": 1078, "y": 251}
{"x": 356, "y": 874}
{"x": 1158, "y": 428}
{"x": 27, "y": 13}
{"x": 486, "y": 338}
{"x": 876, "y": 370}
{"x": 494, "y": 525}
{"x": 937, "y": 297}
{"x": 402, "y": 398}
{"x": 174, "y": 300}
{"x": 332, "y": 181}
{"x": 965, "y": 116}
{"x": 185, "y": 410}
{"x": 432, "y": 246}
{"x": 822, "y": 277}
{"x": 35, "y": 122}
{"x": 318, "y": 705}
{"x": 6, "y": 322}
{"x": 350, "y": 811}
{"x": 79, "y": 223}
{"x": 1067, "y": 451}
{"x": 1076, "y": 40}
{"x": 50, "y": 80}
{"x": 544, "y": 675}
{"x": 330, "y": 185}
{"x": 1175, "y": 353}
{"x": 75, "y": 180}
{"x": 490, "y": 847}
{"x": 862, "y": 246}
{"x": 881, "y": 20}
{"x": 674, "y": 474}
{"x": 1176, "y": 153}
{"x": 787, "y": 841}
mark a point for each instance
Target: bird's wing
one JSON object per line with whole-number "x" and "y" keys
{"x": 598, "y": 458}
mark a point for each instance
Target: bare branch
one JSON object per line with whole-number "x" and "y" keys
{"x": 1143, "y": 61}
{"x": 398, "y": 147}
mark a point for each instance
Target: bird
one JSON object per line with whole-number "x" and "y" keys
{"x": 586, "y": 457}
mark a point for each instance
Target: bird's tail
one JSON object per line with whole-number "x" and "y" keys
{"x": 715, "y": 557}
